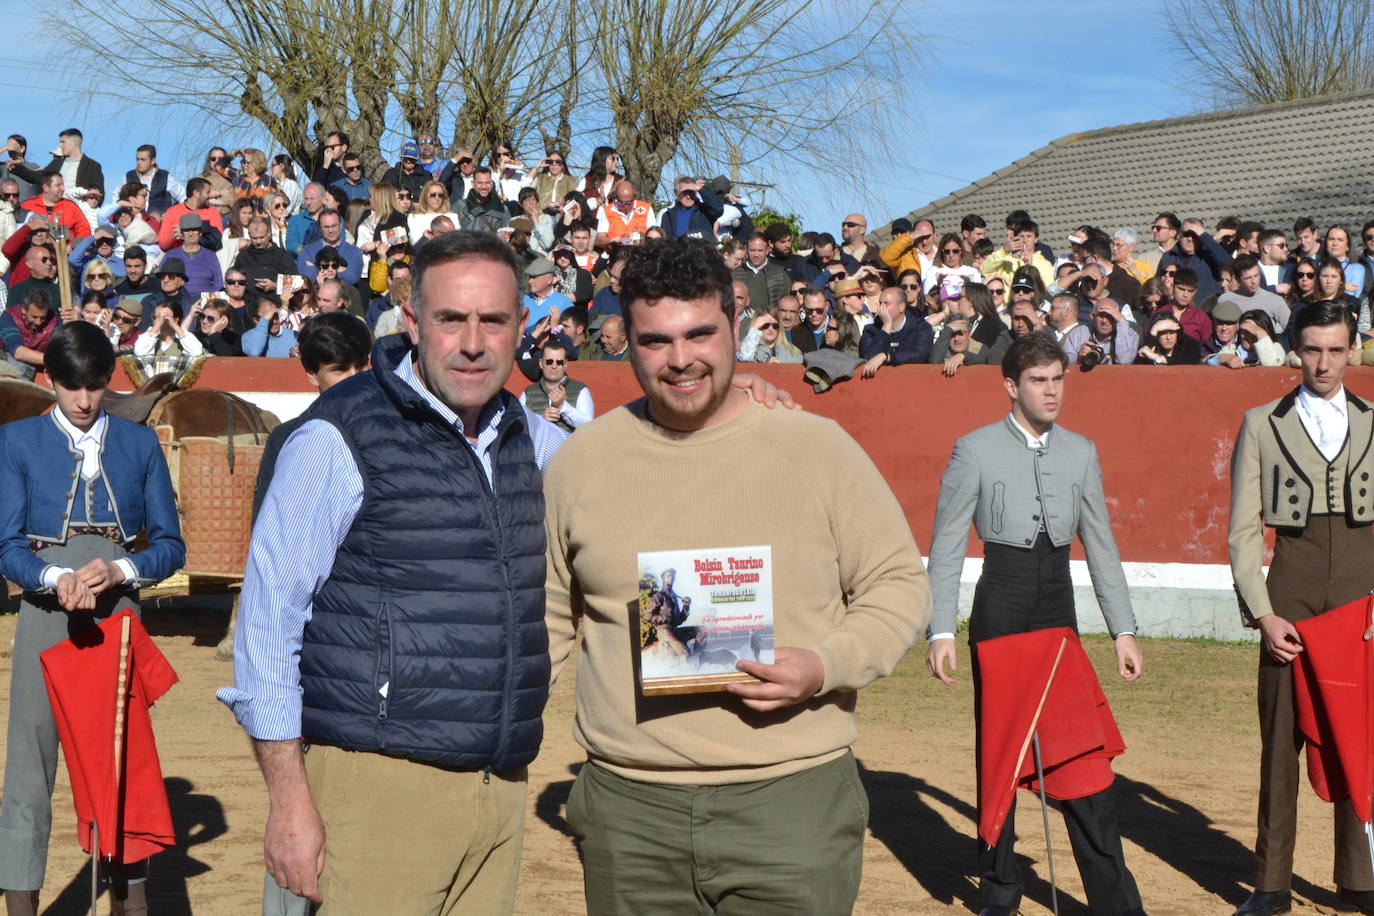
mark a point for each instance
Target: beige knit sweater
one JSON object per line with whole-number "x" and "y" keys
{"x": 848, "y": 582}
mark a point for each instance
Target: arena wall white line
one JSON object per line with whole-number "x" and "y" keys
{"x": 1185, "y": 600}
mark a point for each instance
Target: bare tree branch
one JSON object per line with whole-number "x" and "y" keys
{"x": 690, "y": 79}
{"x": 1249, "y": 52}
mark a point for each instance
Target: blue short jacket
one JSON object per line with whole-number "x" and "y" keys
{"x": 40, "y": 468}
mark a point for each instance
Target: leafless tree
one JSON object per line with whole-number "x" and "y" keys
{"x": 1248, "y": 52}
{"x": 695, "y": 80}
{"x": 699, "y": 83}
{"x": 299, "y": 69}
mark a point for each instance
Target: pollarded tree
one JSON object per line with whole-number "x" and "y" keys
{"x": 1248, "y": 52}
{"x": 690, "y": 79}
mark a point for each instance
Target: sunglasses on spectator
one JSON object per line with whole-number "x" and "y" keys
{"x": 1305, "y": 275}
{"x": 10, "y": 195}
{"x": 839, "y": 276}
{"x": 403, "y": 195}
{"x": 45, "y": 260}
{"x": 768, "y": 325}
{"x": 124, "y": 319}
{"x": 426, "y": 140}
{"x": 279, "y": 205}
{"x": 997, "y": 290}
{"x": 100, "y": 276}
{"x": 816, "y": 311}
{"x": 328, "y": 264}
{"x": 355, "y": 167}
{"x": 554, "y": 362}
{"x": 555, "y": 162}
{"x": 1158, "y": 228}
{"x": 1367, "y": 238}
{"x": 435, "y": 194}
{"x": 235, "y": 282}
{"x": 849, "y": 225}
{"x": 911, "y": 286}
{"x": 1170, "y": 272}
{"x": 952, "y": 251}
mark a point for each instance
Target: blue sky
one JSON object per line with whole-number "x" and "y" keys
{"x": 1001, "y": 79}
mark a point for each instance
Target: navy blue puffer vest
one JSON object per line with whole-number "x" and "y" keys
{"x": 428, "y": 641}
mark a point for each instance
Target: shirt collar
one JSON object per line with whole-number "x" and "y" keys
{"x": 488, "y": 419}
{"x": 1313, "y": 402}
{"x": 95, "y": 434}
{"x": 1032, "y": 441}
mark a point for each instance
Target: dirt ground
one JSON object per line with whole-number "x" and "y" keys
{"x": 1187, "y": 787}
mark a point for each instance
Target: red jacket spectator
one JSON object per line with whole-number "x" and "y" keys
{"x": 172, "y": 217}
{"x": 64, "y": 212}
{"x": 15, "y": 247}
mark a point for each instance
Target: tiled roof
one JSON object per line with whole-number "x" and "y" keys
{"x": 1272, "y": 163}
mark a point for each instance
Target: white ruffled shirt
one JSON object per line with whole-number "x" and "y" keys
{"x": 1325, "y": 420}
{"x": 88, "y": 442}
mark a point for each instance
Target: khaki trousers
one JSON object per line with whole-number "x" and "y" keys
{"x": 410, "y": 839}
{"x": 1327, "y": 564}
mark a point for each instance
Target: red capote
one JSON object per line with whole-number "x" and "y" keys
{"x": 1332, "y": 678}
{"x": 1078, "y": 736}
{"x": 82, "y": 676}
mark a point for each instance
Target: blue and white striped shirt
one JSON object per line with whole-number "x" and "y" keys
{"x": 315, "y": 495}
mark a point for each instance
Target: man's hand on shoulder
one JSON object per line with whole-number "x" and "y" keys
{"x": 794, "y": 677}
{"x": 1280, "y": 638}
{"x": 1129, "y": 663}
{"x": 941, "y": 651}
{"x": 763, "y": 391}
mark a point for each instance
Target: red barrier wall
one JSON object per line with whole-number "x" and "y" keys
{"x": 1164, "y": 435}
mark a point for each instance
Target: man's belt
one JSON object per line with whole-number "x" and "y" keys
{"x": 108, "y": 532}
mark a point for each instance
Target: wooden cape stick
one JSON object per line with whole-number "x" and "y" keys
{"x": 1032, "y": 736}
{"x": 121, "y": 695}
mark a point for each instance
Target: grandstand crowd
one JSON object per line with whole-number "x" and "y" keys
{"x": 232, "y": 262}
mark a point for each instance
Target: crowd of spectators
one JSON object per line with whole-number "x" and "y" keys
{"x": 233, "y": 261}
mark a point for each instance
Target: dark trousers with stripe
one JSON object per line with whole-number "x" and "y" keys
{"x": 1020, "y": 590}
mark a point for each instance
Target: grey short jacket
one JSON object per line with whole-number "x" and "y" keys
{"x": 1008, "y": 490}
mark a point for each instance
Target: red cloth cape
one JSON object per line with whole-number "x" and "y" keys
{"x": 1332, "y": 679}
{"x": 1078, "y": 736}
{"x": 82, "y": 676}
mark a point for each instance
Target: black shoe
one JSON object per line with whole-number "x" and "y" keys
{"x": 1266, "y": 903}
{"x": 997, "y": 911}
{"x": 1348, "y": 901}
